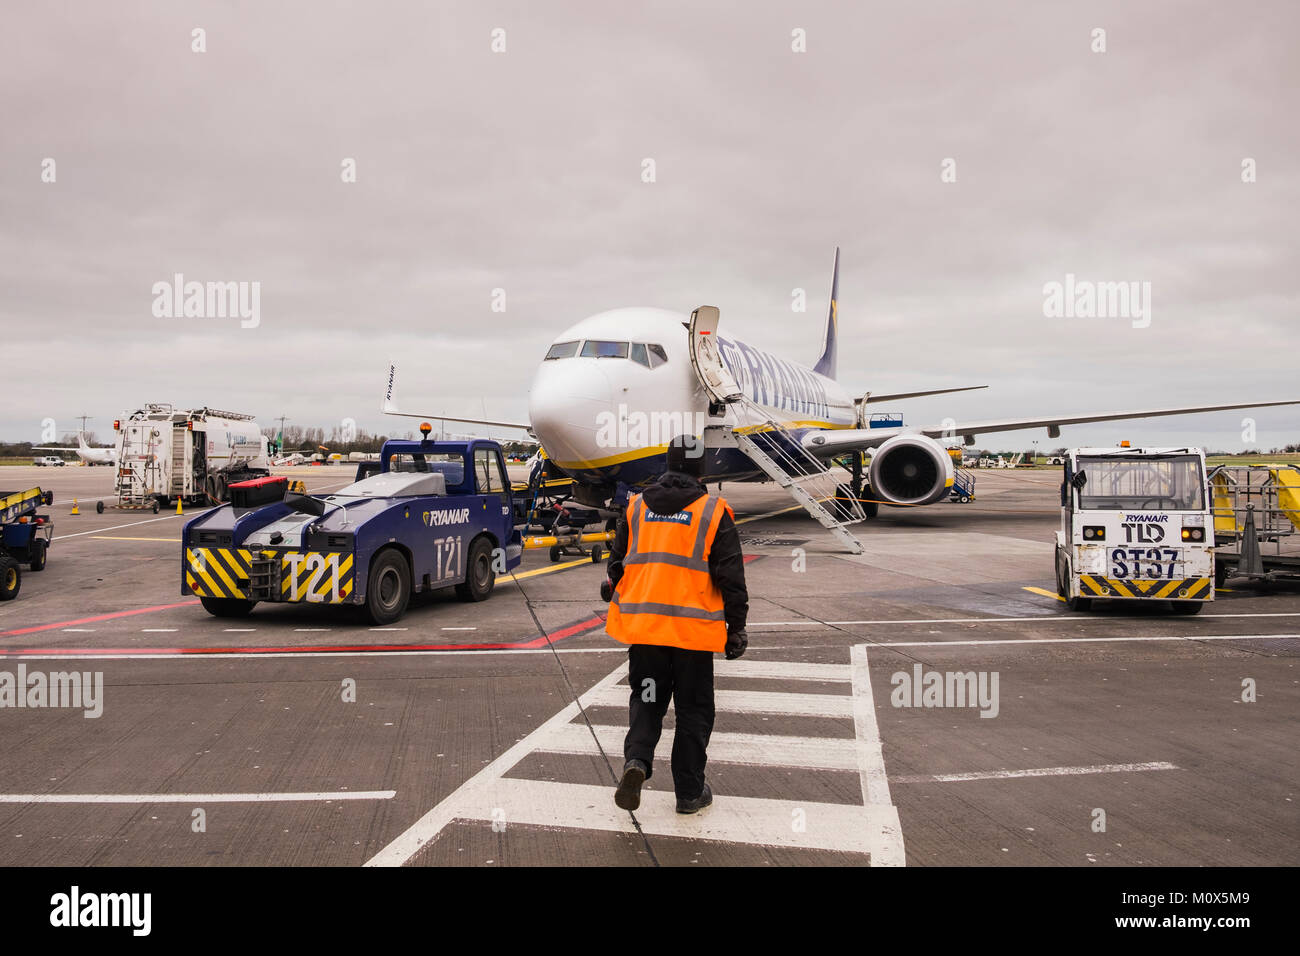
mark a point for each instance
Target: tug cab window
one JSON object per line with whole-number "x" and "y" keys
{"x": 491, "y": 474}
{"x": 594, "y": 349}
{"x": 562, "y": 350}
{"x": 451, "y": 466}
{"x": 1135, "y": 484}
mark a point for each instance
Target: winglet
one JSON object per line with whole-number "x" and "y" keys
{"x": 826, "y": 364}
{"x": 390, "y": 406}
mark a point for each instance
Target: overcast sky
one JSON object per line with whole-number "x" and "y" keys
{"x": 522, "y": 170}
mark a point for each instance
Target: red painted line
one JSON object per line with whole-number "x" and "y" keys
{"x": 570, "y": 631}
{"x": 91, "y": 620}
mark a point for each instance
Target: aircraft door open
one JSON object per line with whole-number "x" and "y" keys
{"x": 706, "y": 359}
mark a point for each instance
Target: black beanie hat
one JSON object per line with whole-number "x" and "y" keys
{"x": 686, "y": 455}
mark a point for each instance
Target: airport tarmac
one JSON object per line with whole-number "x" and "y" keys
{"x": 490, "y": 734}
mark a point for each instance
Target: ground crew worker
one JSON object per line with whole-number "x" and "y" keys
{"x": 679, "y": 598}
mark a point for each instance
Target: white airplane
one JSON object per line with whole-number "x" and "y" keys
{"x": 613, "y": 389}
{"x": 87, "y": 453}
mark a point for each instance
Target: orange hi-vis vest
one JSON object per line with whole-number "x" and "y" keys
{"x": 666, "y": 595}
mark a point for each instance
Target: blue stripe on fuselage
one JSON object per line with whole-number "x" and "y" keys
{"x": 774, "y": 382}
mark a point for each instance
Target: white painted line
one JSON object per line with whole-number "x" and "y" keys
{"x": 77, "y": 630}
{"x": 116, "y": 527}
{"x": 754, "y": 702}
{"x": 620, "y": 649}
{"x": 195, "y": 797}
{"x": 871, "y": 763}
{"x": 388, "y": 629}
{"x": 759, "y": 750}
{"x": 1037, "y": 772}
{"x": 238, "y": 630}
{"x": 460, "y": 628}
{"x": 302, "y": 630}
{"x": 1090, "y": 640}
{"x": 159, "y": 630}
{"x": 1046, "y": 618}
{"x": 845, "y": 828}
{"x": 783, "y": 670}
{"x": 473, "y": 791}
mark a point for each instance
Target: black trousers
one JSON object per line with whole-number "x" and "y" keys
{"x": 657, "y": 674}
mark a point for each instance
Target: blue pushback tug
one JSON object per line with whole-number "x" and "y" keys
{"x": 427, "y": 515}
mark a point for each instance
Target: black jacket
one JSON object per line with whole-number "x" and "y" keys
{"x": 671, "y": 493}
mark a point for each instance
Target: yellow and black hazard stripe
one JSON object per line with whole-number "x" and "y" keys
{"x": 218, "y": 572}
{"x": 1179, "y": 589}
{"x": 317, "y": 577}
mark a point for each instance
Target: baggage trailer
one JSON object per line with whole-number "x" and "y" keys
{"x": 1135, "y": 526}
{"x": 25, "y": 536}
{"x": 191, "y": 455}
{"x": 428, "y": 515}
{"x": 1256, "y": 523}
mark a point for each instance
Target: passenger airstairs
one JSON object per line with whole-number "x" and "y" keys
{"x": 770, "y": 445}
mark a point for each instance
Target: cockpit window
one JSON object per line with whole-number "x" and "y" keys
{"x": 638, "y": 354}
{"x": 562, "y": 350}
{"x": 594, "y": 349}
{"x": 657, "y": 355}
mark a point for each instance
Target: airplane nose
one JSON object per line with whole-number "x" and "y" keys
{"x": 569, "y": 400}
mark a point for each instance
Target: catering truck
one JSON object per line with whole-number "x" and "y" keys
{"x": 194, "y": 455}
{"x": 428, "y": 515}
{"x": 1136, "y": 525}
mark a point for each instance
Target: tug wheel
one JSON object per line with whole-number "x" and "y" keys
{"x": 226, "y": 607}
{"x": 480, "y": 578}
{"x": 11, "y": 579}
{"x": 388, "y": 590}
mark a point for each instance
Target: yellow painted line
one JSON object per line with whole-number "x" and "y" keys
{"x": 553, "y": 567}
{"x": 769, "y": 514}
{"x": 112, "y": 537}
{"x": 1046, "y": 593}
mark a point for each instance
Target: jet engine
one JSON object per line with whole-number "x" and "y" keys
{"x": 911, "y": 470}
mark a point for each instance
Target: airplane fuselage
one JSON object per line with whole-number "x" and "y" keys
{"x": 606, "y": 420}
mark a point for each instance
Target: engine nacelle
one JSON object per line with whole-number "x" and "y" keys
{"x": 911, "y": 470}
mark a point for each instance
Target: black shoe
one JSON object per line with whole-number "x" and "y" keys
{"x": 699, "y": 803}
{"x": 628, "y": 794}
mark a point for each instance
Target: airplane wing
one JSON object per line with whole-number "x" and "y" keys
{"x": 872, "y": 397}
{"x": 452, "y": 418}
{"x": 390, "y": 408}
{"x": 54, "y": 448}
{"x": 837, "y": 441}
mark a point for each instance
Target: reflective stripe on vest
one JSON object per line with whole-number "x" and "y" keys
{"x": 666, "y": 595}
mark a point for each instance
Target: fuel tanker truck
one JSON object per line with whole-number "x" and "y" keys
{"x": 165, "y": 455}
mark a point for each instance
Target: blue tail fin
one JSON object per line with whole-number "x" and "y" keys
{"x": 826, "y": 364}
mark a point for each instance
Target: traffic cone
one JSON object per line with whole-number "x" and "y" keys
{"x": 178, "y": 505}
{"x": 74, "y": 507}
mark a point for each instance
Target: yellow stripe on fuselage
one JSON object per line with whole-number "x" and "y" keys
{"x": 656, "y": 450}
